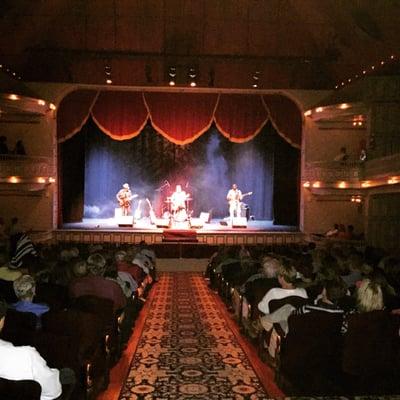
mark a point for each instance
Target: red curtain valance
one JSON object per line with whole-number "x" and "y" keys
{"x": 240, "y": 117}
{"x": 73, "y": 112}
{"x": 286, "y": 118}
{"x": 121, "y": 115}
{"x": 180, "y": 117}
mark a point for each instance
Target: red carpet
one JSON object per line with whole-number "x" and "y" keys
{"x": 189, "y": 347}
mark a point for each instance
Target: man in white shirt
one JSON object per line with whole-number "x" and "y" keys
{"x": 286, "y": 278}
{"x": 25, "y": 363}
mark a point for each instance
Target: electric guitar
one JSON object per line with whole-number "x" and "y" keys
{"x": 238, "y": 200}
{"x": 126, "y": 200}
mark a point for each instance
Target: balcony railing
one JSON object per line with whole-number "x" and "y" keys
{"x": 26, "y": 167}
{"x": 333, "y": 171}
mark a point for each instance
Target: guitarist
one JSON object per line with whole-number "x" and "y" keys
{"x": 124, "y": 197}
{"x": 234, "y": 198}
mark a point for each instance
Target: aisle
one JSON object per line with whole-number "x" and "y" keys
{"x": 189, "y": 348}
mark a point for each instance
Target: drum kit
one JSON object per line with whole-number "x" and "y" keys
{"x": 178, "y": 213}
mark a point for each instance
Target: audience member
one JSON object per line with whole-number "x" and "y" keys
{"x": 25, "y": 363}
{"x": 19, "y": 148}
{"x": 3, "y": 145}
{"x": 342, "y": 156}
{"x": 25, "y": 290}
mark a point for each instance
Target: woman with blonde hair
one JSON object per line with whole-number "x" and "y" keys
{"x": 369, "y": 296}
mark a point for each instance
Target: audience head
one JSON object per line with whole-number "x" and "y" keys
{"x": 334, "y": 290}
{"x": 96, "y": 264}
{"x": 270, "y": 266}
{"x": 287, "y": 274}
{"x": 24, "y": 287}
{"x": 120, "y": 256}
{"x": 80, "y": 269}
{"x": 369, "y": 296}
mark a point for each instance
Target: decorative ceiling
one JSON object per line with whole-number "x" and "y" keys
{"x": 273, "y": 44}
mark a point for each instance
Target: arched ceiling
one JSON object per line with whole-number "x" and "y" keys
{"x": 294, "y": 44}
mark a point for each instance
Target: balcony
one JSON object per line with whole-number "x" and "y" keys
{"x": 21, "y": 174}
{"x": 332, "y": 172}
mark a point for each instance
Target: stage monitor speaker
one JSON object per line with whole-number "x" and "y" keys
{"x": 205, "y": 217}
{"x": 162, "y": 222}
{"x": 240, "y": 222}
{"x": 223, "y": 223}
{"x": 125, "y": 220}
{"x": 196, "y": 222}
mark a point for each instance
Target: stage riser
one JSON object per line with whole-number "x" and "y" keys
{"x": 156, "y": 238}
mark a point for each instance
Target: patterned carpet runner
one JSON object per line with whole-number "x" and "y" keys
{"x": 188, "y": 348}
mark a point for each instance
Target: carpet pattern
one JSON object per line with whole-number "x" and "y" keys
{"x": 187, "y": 349}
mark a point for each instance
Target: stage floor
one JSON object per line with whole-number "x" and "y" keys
{"x": 216, "y": 225}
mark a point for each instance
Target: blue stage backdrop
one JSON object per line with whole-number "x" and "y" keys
{"x": 205, "y": 168}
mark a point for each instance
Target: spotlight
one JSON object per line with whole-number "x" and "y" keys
{"x": 192, "y": 76}
{"x": 172, "y": 75}
{"x": 107, "y": 71}
{"x": 256, "y": 79}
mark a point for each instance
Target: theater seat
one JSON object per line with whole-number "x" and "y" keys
{"x": 309, "y": 357}
{"x": 371, "y": 353}
{"x": 19, "y": 390}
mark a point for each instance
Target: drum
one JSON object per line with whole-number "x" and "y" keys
{"x": 180, "y": 215}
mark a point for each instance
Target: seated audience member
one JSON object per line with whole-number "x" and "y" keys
{"x": 3, "y": 145}
{"x": 124, "y": 280}
{"x": 96, "y": 285}
{"x": 25, "y": 363}
{"x": 342, "y": 156}
{"x": 369, "y": 296}
{"x": 19, "y": 148}
{"x": 356, "y": 269}
{"x": 25, "y": 288}
{"x": 287, "y": 278}
{"x": 333, "y": 232}
{"x": 328, "y": 301}
{"x": 125, "y": 264}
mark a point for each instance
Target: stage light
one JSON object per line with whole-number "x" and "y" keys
{"x": 13, "y": 97}
{"x": 40, "y": 179}
{"x": 393, "y": 180}
{"x": 108, "y": 81}
{"x": 256, "y": 79}
{"x": 344, "y": 106}
{"x": 319, "y": 109}
{"x": 307, "y": 113}
{"x": 365, "y": 184}
{"x": 306, "y": 184}
{"x": 52, "y": 106}
{"x": 41, "y": 102}
{"x": 172, "y": 75}
{"x": 192, "y": 74}
{"x": 51, "y": 180}
{"x": 316, "y": 184}
{"x": 342, "y": 185}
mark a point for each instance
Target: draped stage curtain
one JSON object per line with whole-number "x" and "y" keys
{"x": 206, "y": 142}
{"x": 180, "y": 117}
{"x": 206, "y": 169}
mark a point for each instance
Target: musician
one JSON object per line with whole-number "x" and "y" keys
{"x": 124, "y": 197}
{"x": 178, "y": 202}
{"x": 234, "y": 198}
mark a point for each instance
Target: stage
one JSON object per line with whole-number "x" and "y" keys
{"x": 215, "y": 233}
